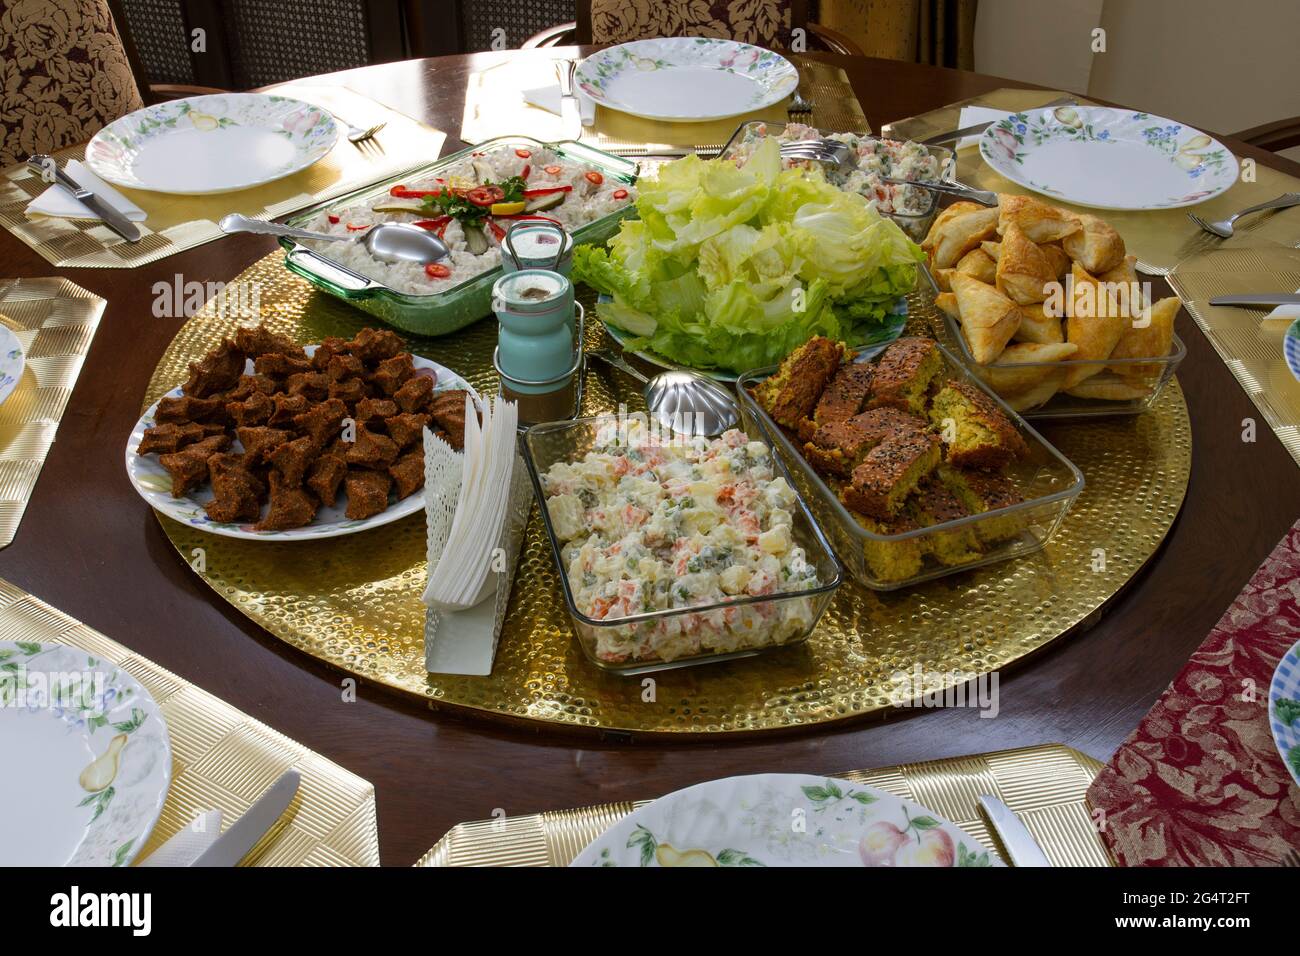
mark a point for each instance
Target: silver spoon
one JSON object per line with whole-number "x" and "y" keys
{"x": 387, "y": 242}
{"x": 672, "y": 396}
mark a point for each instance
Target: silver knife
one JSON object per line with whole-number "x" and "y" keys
{"x": 570, "y": 109}
{"x": 1258, "y": 298}
{"x": 48, "y": 166}
{"x": 959, "y": 134}
{"x": 242, "y": 835}
{"x": 1015, "y": 837}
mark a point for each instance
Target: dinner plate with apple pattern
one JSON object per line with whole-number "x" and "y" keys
{"x": 784, "y": 819}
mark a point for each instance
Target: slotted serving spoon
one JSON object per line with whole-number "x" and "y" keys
{"x": 680, "y": 400}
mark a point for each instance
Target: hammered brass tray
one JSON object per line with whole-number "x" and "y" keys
{"x": 354, "y": 602}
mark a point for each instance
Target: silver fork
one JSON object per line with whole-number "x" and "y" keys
{"x": 1223, "y": 228}
{"x": 819, "y": 150}
{"x": 799, "y": 105}
{"x": 953, "y": 188}
{"x": 358, "y": 137}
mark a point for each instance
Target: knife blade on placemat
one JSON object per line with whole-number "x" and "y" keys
{"x": 1020, "y": 846}
{"x": 570, "y": 108}
{"x": 244, "y": 834}
{"x": 48, "y": 165}
{"x": 1258, "y": 298}
{"x": 959, "y": 134}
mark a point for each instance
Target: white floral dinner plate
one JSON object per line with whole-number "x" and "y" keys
{"x": 87, "y": 762}
{"x": 12, "y": 361}
{"x": 211, "y": 144}
{"x": 783, "y": 819}
{"x": 1291, "y": 348}
{"x": 686, "y": 79}
{"x": 1109, "y": 158}
{"x": 1284, "y": 709}
{"x": 154, "y": 484}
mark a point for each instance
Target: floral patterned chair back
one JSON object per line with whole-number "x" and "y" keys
{"x": 766, "y": 23}
{"x": 64, "y": 74}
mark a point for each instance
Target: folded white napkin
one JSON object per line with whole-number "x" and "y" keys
{"x": 57, "y": 201}
{"x": 970, "y": 115}
{"x": 188, "y": 842}
{"x": 1288, "y": 313}
{"x": 548, "y": 98}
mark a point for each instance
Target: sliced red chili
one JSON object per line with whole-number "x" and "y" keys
{"x": 496, "y": 230}
{"x": 432, "y": 223}
{"x": 555, "y": 170}
{"x": 546, "y": 191}
{"x": 436, "y": 270}
{"x": 334, "y": 220}
{"x": 401, "y": 192}
{"x": 593, "y": 177}
{"x": 485, "y": 195}
{"x": 620, "y": 193}
{"x": 442, "y": 230}
{"x": 527, "y": 169}
{"x": 523, "y": 153}
{"x": 353, "y": 227}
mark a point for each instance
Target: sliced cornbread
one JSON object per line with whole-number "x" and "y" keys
{"x": 891, "y": 471}
{"x": 837, "y": 448}
{"x": 934, "y": 503}
{"x": 843, "y": 398}
{"x": 976, "y": 431}
{"x": 905, "y": 373}
{"x": 790, "y": 394}
{"x": 984, "y": 491}
{"x": 894, "y": 560}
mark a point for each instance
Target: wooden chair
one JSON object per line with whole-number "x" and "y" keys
{"x": 1275, "y": 136}
{"x": 600, "y": 21}
{"x": 253, "y": 43}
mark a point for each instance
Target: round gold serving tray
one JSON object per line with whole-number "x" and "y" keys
{"x": 354, "y": 602}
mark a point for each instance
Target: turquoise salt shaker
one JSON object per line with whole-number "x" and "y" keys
{"x": 535, "y": 344}
{"x": 537, "y": 244}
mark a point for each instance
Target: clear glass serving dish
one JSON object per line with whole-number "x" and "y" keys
{"x": 917, "y": 225}
{"x": 1134, "y": 383}
{"x": 1047, "y": 481}
{"x": 554, "y": 442}
{"x": 443, "y": 312}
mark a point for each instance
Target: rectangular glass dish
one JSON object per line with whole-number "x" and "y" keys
{"x": 1135, "y": 382}
{"x": 440, "y": 313}
{"x": 564, "y": 442}
{"x": 915, "y": 225}
{"x": 1047, "y": 481}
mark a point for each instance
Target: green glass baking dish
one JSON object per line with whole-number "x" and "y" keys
{"x": 440, "y": 313}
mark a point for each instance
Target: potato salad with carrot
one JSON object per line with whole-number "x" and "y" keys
{"x": 654, "y": 525}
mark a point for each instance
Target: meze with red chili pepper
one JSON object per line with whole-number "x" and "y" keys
{"x": 470, "y": 204}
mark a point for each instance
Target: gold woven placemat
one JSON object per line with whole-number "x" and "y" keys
{"x": 354, "y": 601}
{"x": 55, "y": 321}
{"x": 1160, "y": 238}
{"x": 1250, "y": 346}
{"x": 1045, "y": 785}
{"x": 177, "y": 223}
{"x": 222, "y": 759}
{"x": 495, "y": 106}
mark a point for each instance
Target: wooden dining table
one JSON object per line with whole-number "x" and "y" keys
{"x": 91, "y": 547}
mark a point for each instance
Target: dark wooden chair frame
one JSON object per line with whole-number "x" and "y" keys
{"x": 1275, "y": 136}
{"x": 579, "y": 31}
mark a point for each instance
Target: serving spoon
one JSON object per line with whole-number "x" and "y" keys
{"x": 388, "y": 241}
{"x": 673, "y": 395}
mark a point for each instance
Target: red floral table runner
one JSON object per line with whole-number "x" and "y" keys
{"x": 1200, "y": 782}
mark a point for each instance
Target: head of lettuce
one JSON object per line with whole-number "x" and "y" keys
{"x": 733, "y": 268}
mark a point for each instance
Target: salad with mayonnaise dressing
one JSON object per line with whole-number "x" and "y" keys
{"x": 660, "y": 523}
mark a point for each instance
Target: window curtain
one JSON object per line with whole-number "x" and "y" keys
{"x": 938, "y": 32}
